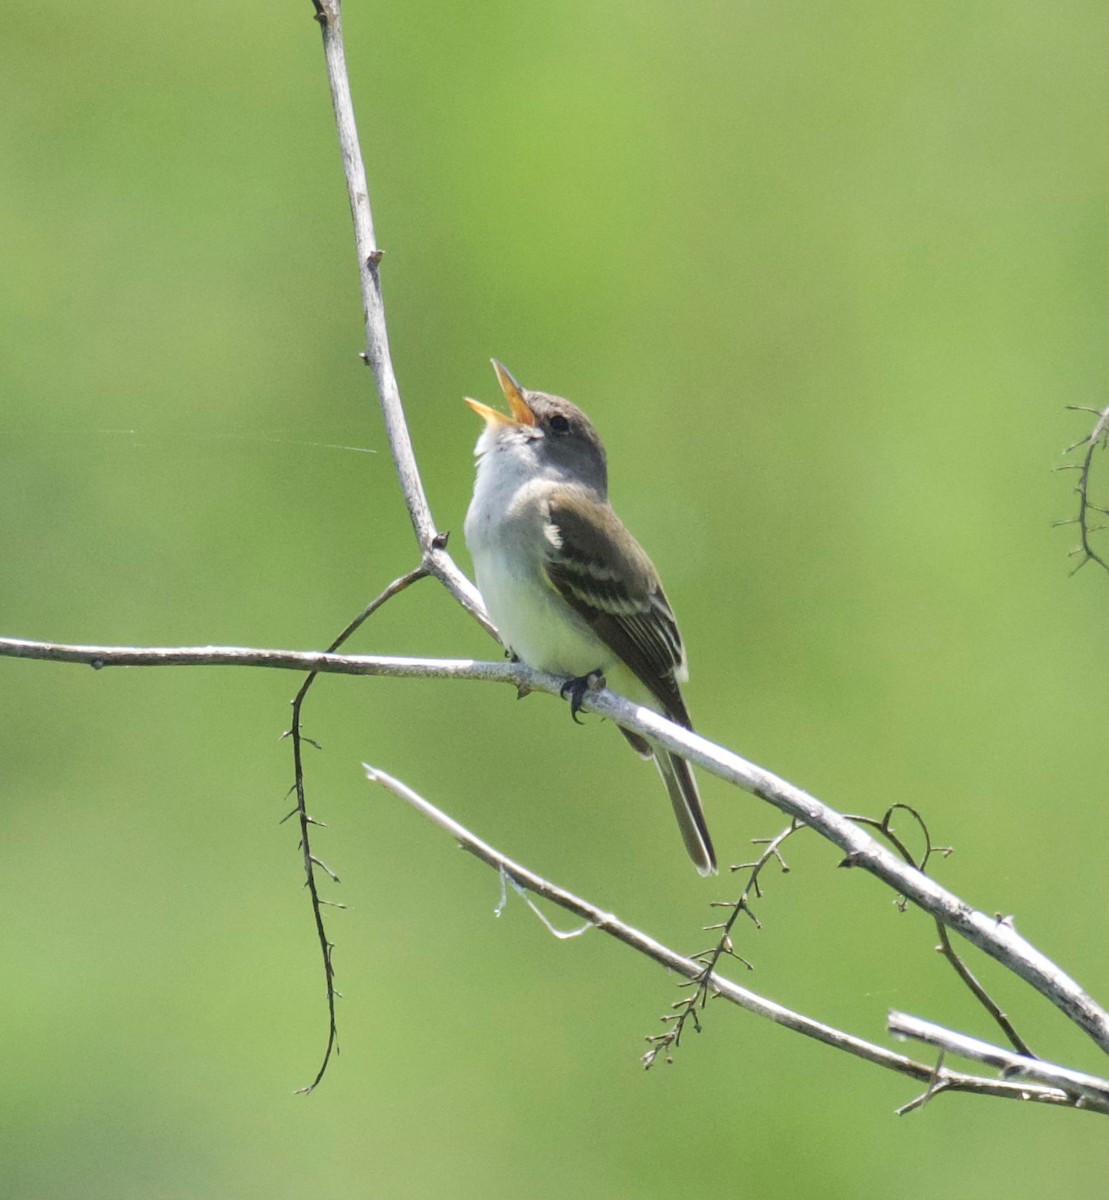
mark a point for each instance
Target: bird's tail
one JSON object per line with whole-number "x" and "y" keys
{"x": 677, "y": 774}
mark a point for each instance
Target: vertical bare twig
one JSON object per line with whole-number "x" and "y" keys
{"x": 377, "y": 356}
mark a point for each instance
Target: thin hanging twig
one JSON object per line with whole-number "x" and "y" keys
{"x": 306, "y": 821}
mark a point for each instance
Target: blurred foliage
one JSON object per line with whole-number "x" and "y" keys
{"x": 825, "y": 277}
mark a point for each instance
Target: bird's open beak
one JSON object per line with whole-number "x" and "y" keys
{"x": 513, "y": 393}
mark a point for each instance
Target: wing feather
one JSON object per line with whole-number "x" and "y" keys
{"x": 603, "y": 573}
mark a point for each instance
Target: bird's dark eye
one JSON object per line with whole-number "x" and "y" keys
{"x": 559, "y": 424}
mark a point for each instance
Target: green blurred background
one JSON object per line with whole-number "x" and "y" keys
{"x": 825, "y": 276}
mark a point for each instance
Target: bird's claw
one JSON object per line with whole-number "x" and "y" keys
{"x": 574, "y": 690}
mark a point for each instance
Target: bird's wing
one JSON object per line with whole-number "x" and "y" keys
{"x": 603, "y": 573}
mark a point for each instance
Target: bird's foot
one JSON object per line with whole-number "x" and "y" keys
{"x": 574, "y": 690}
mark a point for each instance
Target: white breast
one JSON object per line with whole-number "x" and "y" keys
{"x": 506, "y": 527}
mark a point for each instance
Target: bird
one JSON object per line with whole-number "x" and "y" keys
{"x": 569, "y": 589}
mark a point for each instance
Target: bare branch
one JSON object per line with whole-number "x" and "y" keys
{"x": 946, "y": 948}
{"x": 1087, "y": 1091}
{"x": 937, "y": 1078}
{"x": 1099, "y": 436}
{"x": 995, "y": 936}
{"x": 432, "y": 543}
{"x": 301, "y": 812}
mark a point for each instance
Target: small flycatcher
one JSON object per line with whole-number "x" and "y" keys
{"x": 568, "y": 587}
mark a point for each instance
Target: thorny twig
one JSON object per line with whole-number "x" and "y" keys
{"x": 687, "y": 1009}
{"x": 1098, "y": 436}
{"x": 305, "y": 820}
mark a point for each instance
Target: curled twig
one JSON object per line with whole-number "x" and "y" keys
{"x": 946, "y": 948}
{"x": 685, "y": 1010}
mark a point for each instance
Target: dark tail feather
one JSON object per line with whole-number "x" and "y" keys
{"x": 678, "y": 776}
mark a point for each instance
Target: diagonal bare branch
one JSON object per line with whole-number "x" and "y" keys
{"x": 938, "y": 1078}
